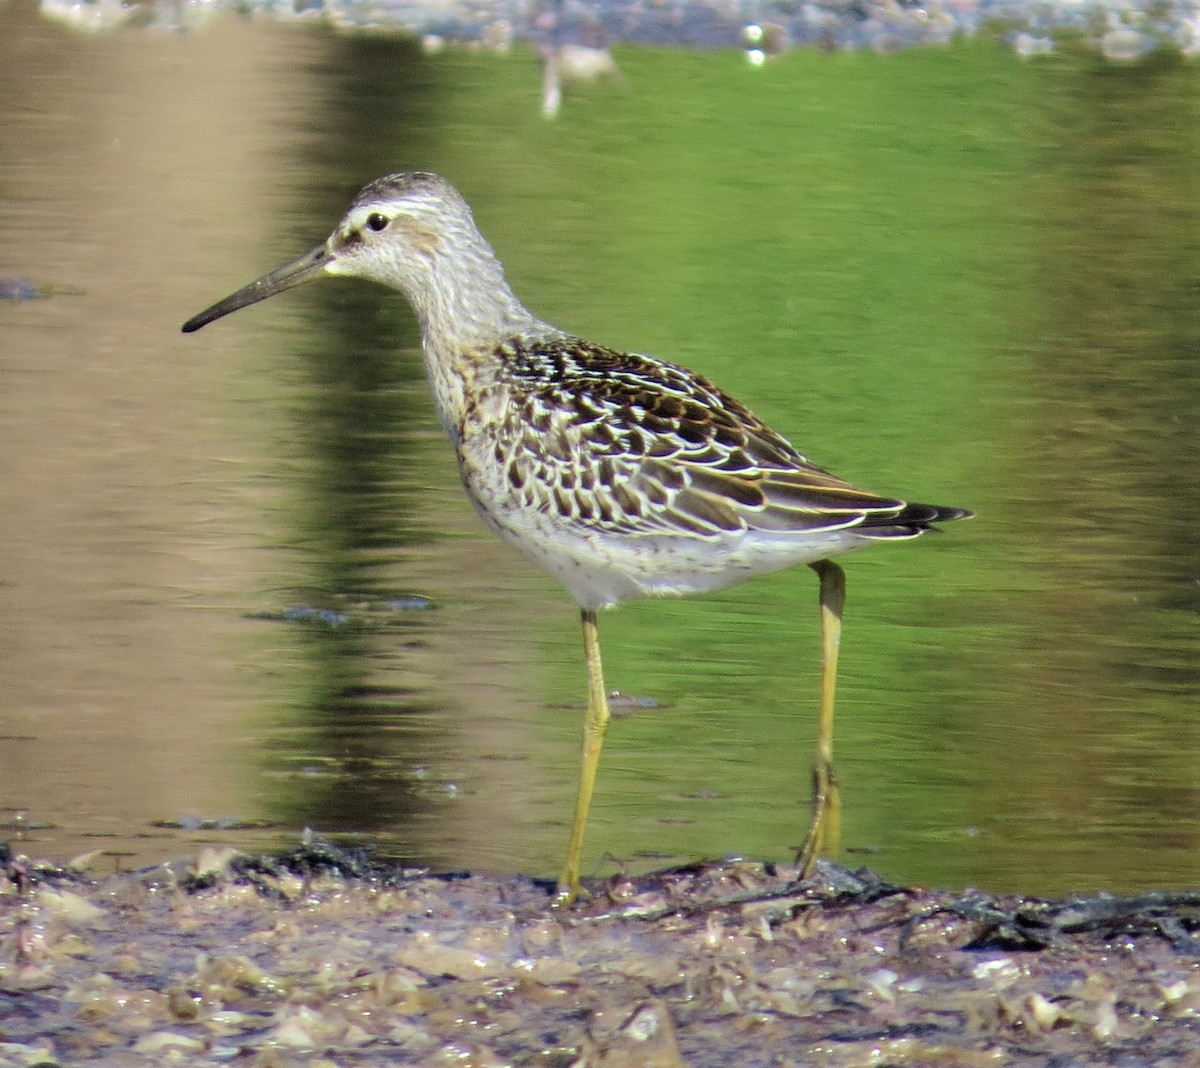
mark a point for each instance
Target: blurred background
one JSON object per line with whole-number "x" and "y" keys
{"x": 242, "y": 592}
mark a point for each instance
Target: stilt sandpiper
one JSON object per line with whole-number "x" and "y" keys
{"x": 621, "y": 475}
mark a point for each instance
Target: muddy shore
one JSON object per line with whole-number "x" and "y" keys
{"x": 322, "y": 958}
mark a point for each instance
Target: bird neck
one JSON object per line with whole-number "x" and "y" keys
{"x": 469, "y": 309}
{"x": 466, "y": 313}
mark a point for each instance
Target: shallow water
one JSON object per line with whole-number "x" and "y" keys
{"x": 945, "y": 274}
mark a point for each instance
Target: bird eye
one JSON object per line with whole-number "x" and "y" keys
{"x": 377, "y": 221}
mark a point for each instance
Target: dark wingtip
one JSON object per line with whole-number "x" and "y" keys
{"x": 927, "y": 514}
{"x": 911, "y": 521}
{"x": 947, "y": 515}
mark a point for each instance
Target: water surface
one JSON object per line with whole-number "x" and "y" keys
{"x": 945, "y": 274}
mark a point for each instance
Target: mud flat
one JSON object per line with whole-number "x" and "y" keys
{"x": 323, "y": 958}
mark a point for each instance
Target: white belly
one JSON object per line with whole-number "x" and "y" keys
{"x": 600, "y": 569}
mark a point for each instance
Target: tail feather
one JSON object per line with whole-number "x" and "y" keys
{"x": 911, "y": 521}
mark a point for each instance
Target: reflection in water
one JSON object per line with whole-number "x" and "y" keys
{"x": 357, "y": 731}
{"x": 847, "y": 243}
{"x": 1110, "y": 661}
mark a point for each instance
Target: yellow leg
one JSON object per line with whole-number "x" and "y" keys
{"x": 594, "y": 729}
{"x": 825, "y": 832}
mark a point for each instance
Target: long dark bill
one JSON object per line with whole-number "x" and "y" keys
{"x": 309, "y": 266}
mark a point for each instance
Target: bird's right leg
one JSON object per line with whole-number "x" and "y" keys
{"x": 594, "y": 728}
{"x": 825, "y": 831}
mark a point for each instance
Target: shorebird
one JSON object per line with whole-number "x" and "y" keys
{"x": 620, "y": 475}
